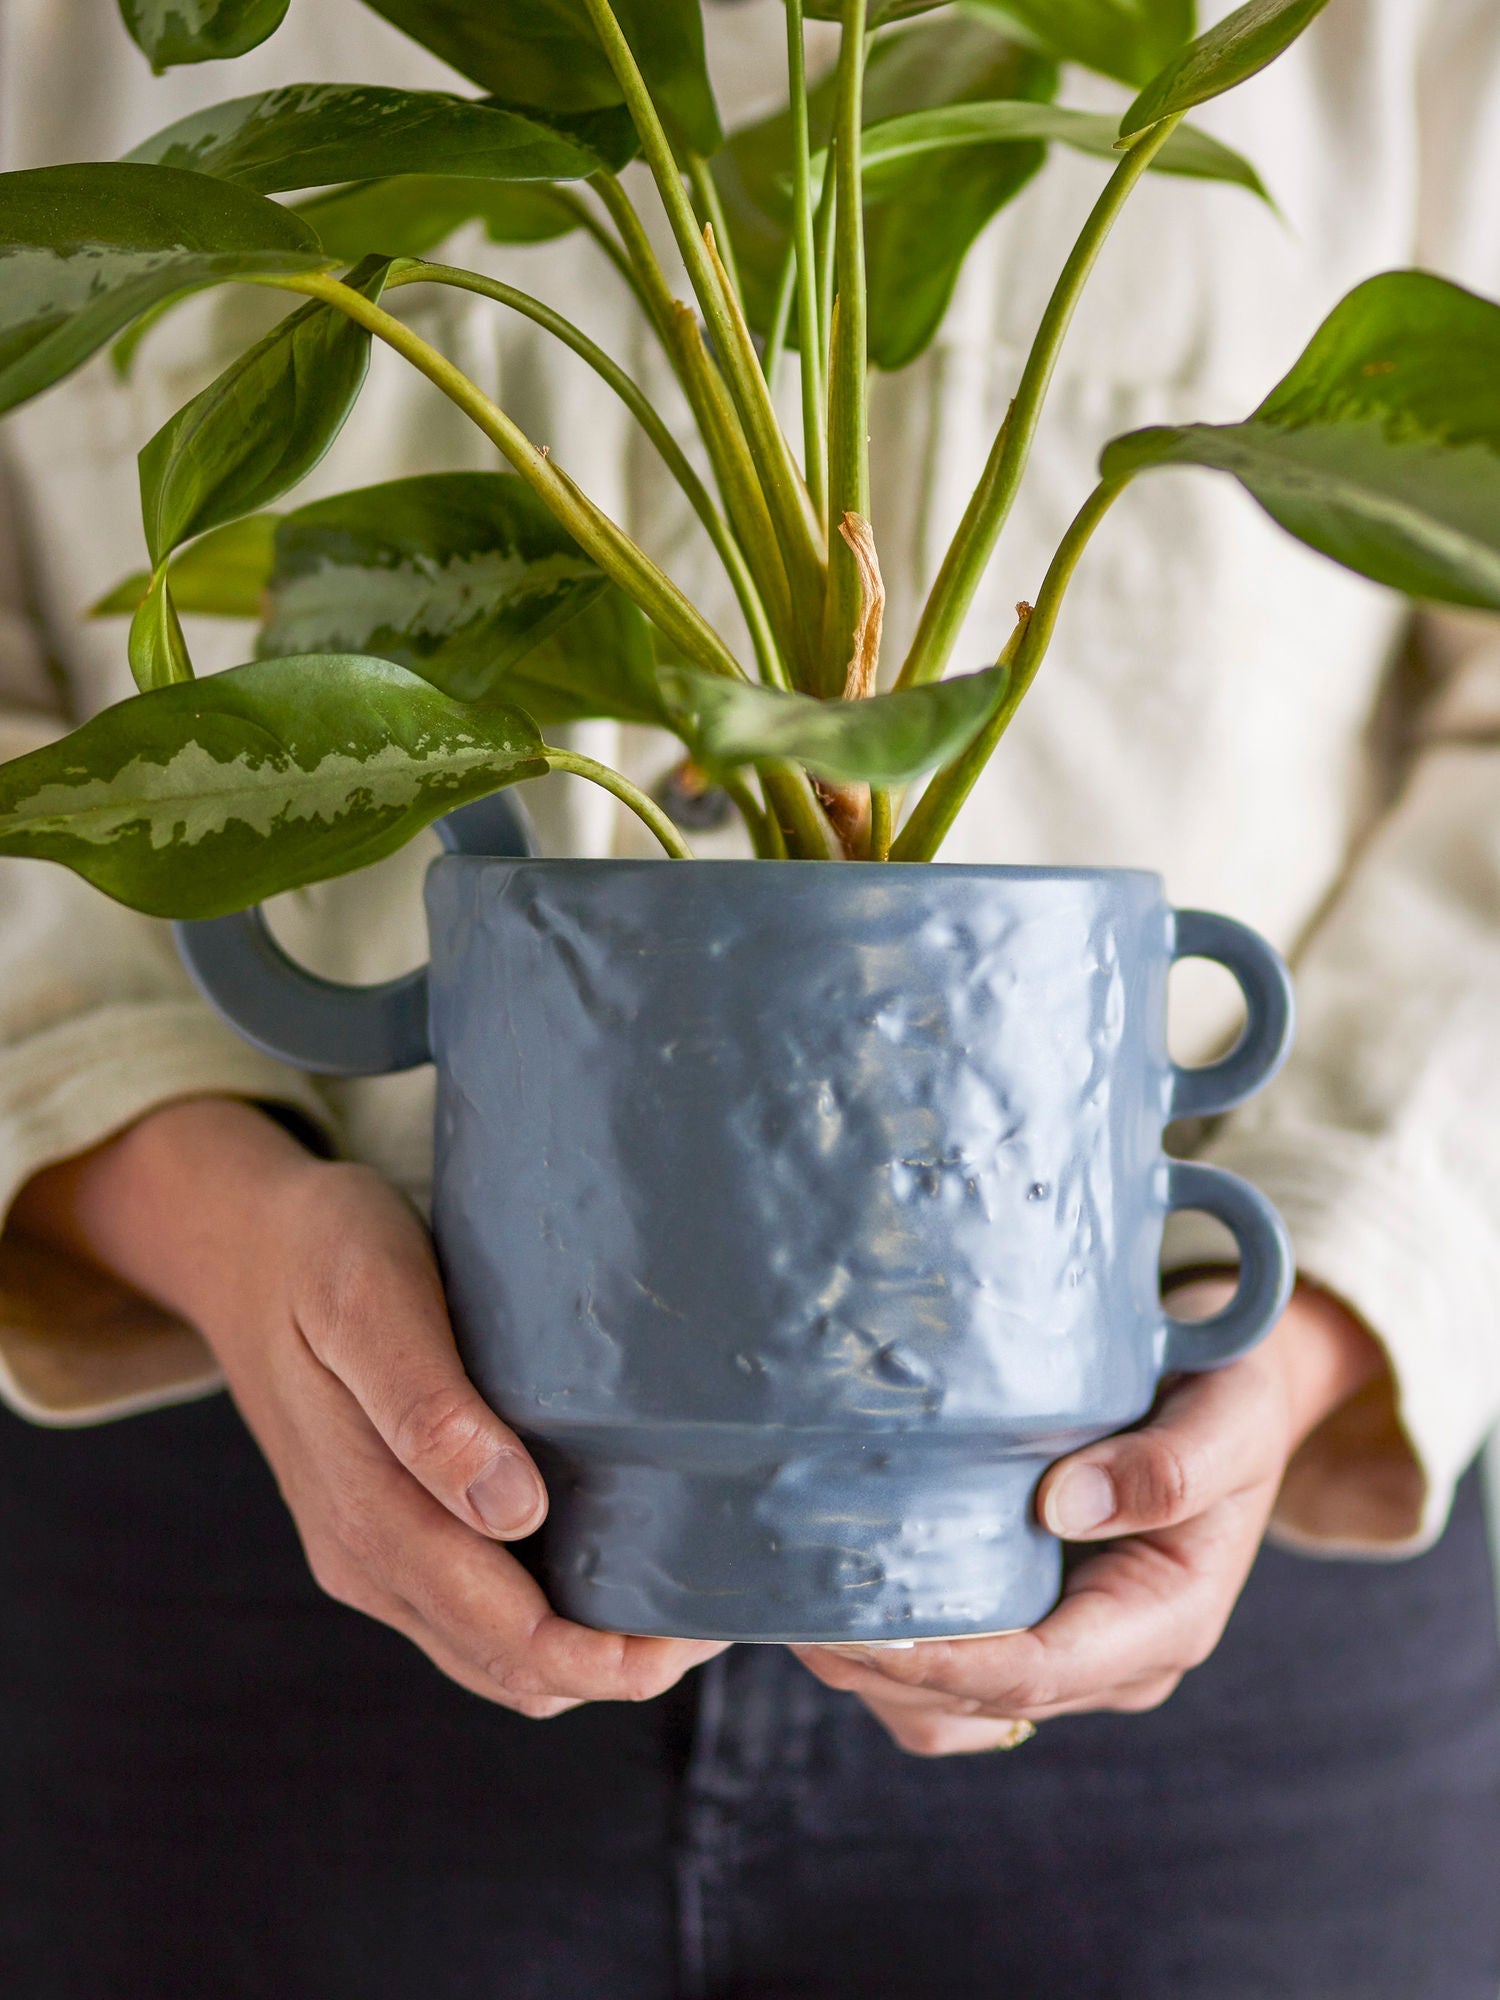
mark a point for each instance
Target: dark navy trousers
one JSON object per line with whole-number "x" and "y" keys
{"x": 215, "y": 1784}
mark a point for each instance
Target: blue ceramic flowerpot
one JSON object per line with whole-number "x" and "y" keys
{"x": 799, "y": 1216}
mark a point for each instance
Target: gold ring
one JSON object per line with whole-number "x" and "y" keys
{"x": 1016, "y": 1733}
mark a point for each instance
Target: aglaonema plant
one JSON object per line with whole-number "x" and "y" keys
{"x": 418, "y": 638}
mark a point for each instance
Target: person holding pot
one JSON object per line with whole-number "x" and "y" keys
{"x": 217, "y": 1780}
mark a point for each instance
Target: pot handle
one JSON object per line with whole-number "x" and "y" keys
{"x": 317, "y": 1024}
{"x": 1267, "y": 1269}
{"x": 1263, "y": 978}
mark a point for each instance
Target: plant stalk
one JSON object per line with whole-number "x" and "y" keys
{"x": 944, "y": 797}
{"x": 765, "y": 835}
{"x": 610, "y": 245}
{"x": 825, "y": 250}
{"x": 808, "y": 832}
{"x": 804, "y": 253}
{"x": 711, "y": 214}
{"x": 882, "y": 823}
{"x": 650, "y": 279}
{"x": 600, "y": 537}
{"x": 781, "y": 319}
{"x": 640, "y": 407}
{"x": 743, "y": 497}
{"x": 797, "y": 528}
{"x": 848, "y": 369}
{"x": 970, "y": 551}
{"x": 644, "y": 807}
{"x": 719, "y": 428}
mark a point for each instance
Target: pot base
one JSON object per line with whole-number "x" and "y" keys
{"x": 829, "y": 1542}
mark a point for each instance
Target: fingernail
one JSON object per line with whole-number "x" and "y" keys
{"x": 1082, "y": 1500}
{"x": 508, "y": 1496}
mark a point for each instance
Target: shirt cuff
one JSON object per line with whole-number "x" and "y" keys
{"x": 1384, "y": 1228}
{"x": 76, "y": 1346}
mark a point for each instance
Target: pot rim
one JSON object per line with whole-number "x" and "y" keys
{"x": 989, "y": 871}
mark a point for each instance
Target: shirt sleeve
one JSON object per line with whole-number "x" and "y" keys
{"x": 98, "y": 1026}
{"x": 1381, "y": 1142}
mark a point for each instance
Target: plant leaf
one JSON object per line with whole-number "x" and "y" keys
{"x": 1127, "y": 39}
{"x": 917, "y": 236}
{"x": 1381, "y": 448}
{"x": 222, "y": 575}
{"x": 465, "y": 578}
{"x": 157, "y": 650}
{"x": 892, "y": 146}
{"x": 313, "y": 134}
{"x": 410, "y": 215}
{"x": 190, "y": 31}
{"x": 888, "y": 740}
{"x": 84, "y": 250}
{"x": 262, "y": 426}
{"x": 545, "y": 53}
{"x": 406, "y": 216}
{"x": 197, "y": 800}
{"x": 1227, "y": 55}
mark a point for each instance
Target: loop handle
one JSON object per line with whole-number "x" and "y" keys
{"x": 1263, "y": 978}
{"x": 1267, "y": 1269}
{"x": 317, "y": 1024}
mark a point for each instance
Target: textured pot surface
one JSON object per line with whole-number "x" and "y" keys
{"x": 800, "y": 1216}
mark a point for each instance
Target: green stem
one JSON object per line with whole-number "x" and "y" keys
{"x": 651, "y": 280}
{"x": 598, "y": 536}
{"x": 610, "y": 245}
{"x": 719, "y": 428}
{"x": 882, "y": 823}
{"x": 940, "y": 804}
{"x": 805, "y": 255}
{"x": 640, "y": 407}
{"x": 644, "y": 807}
{"x": 969, "y": 553}
{"x": 765, "y": 834}
{"x": 797, "y": 528}
{"x": 781, "y": 319}
{"x": 825, "y": 250}
{"x": 711, "y": 210}
{"x": 848, "y": 393}
{"x": 746, "y": 503}
{"x": 789, "y": 793}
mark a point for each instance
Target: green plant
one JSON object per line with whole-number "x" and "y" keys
{"x": 419, "y": 637}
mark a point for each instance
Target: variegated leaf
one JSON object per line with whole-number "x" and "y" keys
{"x": 313, "y": 134}
{"x": 192, "y": 31}
{"x": 1381, "y": 448}
{"x": 468, "y": 580}
{"x": 203, "y": 798}
{"x": 85, "y": 250}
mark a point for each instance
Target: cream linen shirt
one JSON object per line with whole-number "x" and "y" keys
{"x": 1219, "y": 705}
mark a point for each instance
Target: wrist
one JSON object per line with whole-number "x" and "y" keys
{"x": 173, "y": 1206}
{"x": 1321, "y": 1352}
{"x": 1327, "y": 1355}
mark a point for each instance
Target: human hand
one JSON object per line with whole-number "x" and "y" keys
{"x": 316, "y": 1287}
{"x": 1179, "y": 1507}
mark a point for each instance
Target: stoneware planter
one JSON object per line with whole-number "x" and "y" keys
{"x": 799, "y": 1216}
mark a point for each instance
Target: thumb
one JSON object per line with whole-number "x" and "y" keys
{"x": 1213, "y": 1436}
{"x": 380, "y": 1324}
